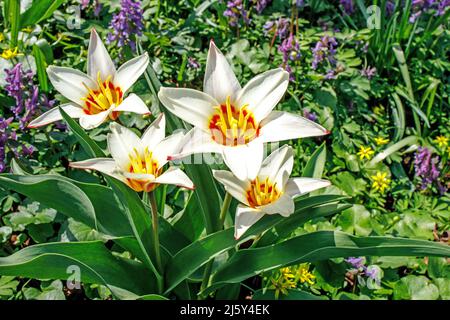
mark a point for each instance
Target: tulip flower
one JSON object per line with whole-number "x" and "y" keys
{"x": 271, "y": 192}
{"x": 98, "y": 95}
{"x": 235, "y": 121}
{"x": 139, "y": 162}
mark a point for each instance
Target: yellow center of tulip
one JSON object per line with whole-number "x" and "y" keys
{"x": 233, "y": 126}
{"x": 143, "y": 164}
{"x": 262, "y": 192}
{"x": 103, "y": 98}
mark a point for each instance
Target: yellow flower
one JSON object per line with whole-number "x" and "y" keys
{"x": 303, "y": 274}
{"x": 378, "y": 110}
{"x": 9, "y": 54}
{"x": 2, "y": 37}
{"x": 380, "y": 181}
{"x": 442, "y": 141}
{"x": 380, "y": 141}
{"x": 28, "y": 29}
{"x": 365, "y": 152}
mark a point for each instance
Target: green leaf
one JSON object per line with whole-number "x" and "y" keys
{"x": 91, "y": 148}
{"x": 391, "y": 149}
{"x": 316, "y": 164}
{"x": 14, "y": 20}
{"x": 415, "y": 288}
{"x": 95, "y": 262}
{"x": 356, "y": 220}
{"x": 41, "y": 66}
{"x": 8, "y": 285}
{"x": 38, "y": 11}
{"x": 192, "y": 257}
{"x": 54, "y": 192}
{"x": 317, "y": 246}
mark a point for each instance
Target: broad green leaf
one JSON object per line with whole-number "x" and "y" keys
{"x": 39, "y": 11}
{"x": 316, "y": 164}
{"x": 95, "y": 262}
{"x": 189, "y": 259}
{"x": 317, "y": 246}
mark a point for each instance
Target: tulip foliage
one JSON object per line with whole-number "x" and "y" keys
{"x": 237, "y": 223}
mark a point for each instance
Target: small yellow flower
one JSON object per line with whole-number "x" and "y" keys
{"x": 365, "y": 152}
{"x": 9, "y": 54}
{"x": 303, "y": 275}
{"x": 2, "y": 37}
{"x": 28, "y": 29}
{"x": 380, "y": 181}
{"x": 381, "y": 141}
{"x": 378, "y": 110}
{"x": 442, "y": 141}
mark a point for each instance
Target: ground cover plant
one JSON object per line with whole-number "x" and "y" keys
{"x": 277, "y": 149}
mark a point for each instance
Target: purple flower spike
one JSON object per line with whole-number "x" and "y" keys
{"x": 127, "y": 24}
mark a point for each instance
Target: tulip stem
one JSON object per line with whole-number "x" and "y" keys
{"x": 209, "y": 265}
{"x": 154, "y": 207}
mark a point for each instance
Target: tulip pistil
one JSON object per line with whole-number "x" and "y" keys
{"x": 233, "y": 126}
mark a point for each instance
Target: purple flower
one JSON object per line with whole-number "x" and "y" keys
{"x": 5, "y": 135}
{"x": 290, "y": 48}
{"x": 356, "y": 263}
{"x": 192, "y": 63}
{"x": 426, "y": 167}
{"x": 348, "y": 6}
{"x": 331, "y": 74}
{"x": 442, "y": 6}
{"x": 280, "y": 27}
{"x": 97, "y": 6}
{"x": 310, "y": 115}
{"x": 325, "y": 48}
{"x": 261, "y": 5}
{"x": 300, "y": 3}
{"x": 20, "y": 86}
{"x": 369, "y": 72}
{"x": 235, "y": 10}
{"x": 127, "y": 24}
{"x": 390, "y": 7}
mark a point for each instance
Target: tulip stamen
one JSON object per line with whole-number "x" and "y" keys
{"x": 233, "y": 126}
{"x": 262, "y": 192}
{"x": 143, "y": 164}
{"x": 101, "y": 99}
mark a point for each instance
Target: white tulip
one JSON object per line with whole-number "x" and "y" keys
{"x": 99, "y": 94}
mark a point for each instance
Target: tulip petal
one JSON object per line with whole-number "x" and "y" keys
{"x": 176, "y": 177}
{"x": 196, "y": 141}
{"x": 263, "y": 92}
{"x": 133, "y": 103}
{"x": 168, "y": 146}
{"x": 74, "y": 111}
{"x": 245, "y": 218}
{"x": 284, "y": 206}
{"x": 299, "y": 186}
{"x": 71, "y": 83}
{"x": 104, "y": 165}
{"x": 237, "y": 188}
{"x": 278, "y": 166}
{"x": 244, "y": 160}
{"x": 154, "y": 133}
{"x": 99, "y": 59}
{"x": 121, "y": 144}
{"x": 220, "y": 80}
{"x": 191, "y": 105}
{"x": 93, "y": 121}
{"x": 279, "y": 126}
{"x": 130, "y": 71}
